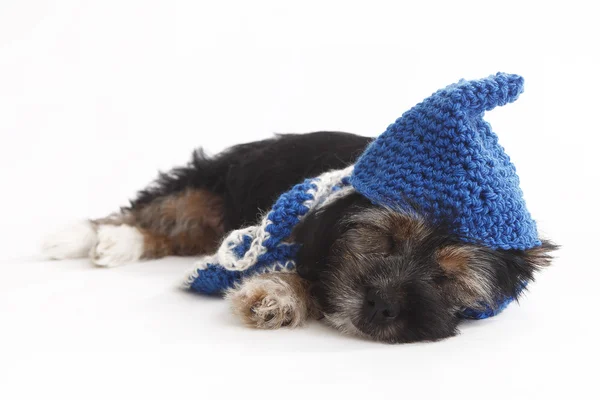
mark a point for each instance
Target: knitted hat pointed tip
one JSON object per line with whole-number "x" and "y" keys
{"x": 485, "y": 94}
{"x": 444, "y": 158}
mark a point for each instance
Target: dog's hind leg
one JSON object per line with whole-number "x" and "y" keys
{"x": 183, "y": 223}
{"x": 72, "y": 241}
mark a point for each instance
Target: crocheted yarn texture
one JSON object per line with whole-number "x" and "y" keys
{"x": 440, "y": 157}
{"x": 444, "y": 158}
{"x": 263, "y": 248}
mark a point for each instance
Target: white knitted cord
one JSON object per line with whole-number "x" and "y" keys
{"x": 225, "y": 256}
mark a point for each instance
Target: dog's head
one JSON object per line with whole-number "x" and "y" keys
{"x": 394, "y": 277}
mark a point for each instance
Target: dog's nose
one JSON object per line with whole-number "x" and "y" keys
{"x": 377, "y": 309}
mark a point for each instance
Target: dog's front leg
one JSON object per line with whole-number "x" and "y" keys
{"x": 272, "y": 300}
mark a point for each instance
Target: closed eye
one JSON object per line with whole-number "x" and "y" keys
{"x": 393, "y": 247}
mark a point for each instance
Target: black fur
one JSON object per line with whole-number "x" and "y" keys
{"x": 251, "y": 176}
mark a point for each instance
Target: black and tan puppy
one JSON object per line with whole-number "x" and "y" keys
{"x": 369, "y": 270}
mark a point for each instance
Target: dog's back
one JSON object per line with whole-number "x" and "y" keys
{"x": 249, "y": 177}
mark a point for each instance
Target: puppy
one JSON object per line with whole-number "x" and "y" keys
{"x": 388, "y": 275}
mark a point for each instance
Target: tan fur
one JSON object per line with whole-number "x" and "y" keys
{"x": 470, "y": 286}
{"x": 156, "y": 246}
{"x": 454, "y": 259}
{"x": 115, "y": 219}
{"x": 272, "y": 300}
{"x": 406, "y": 227}
{"x": 186, "y": 223}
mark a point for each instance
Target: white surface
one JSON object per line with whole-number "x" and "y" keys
{"x": 96, "y": 96}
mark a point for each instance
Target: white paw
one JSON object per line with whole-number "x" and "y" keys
{"x": 117, "y": 245}
{"x": 74, "y": 241}
{"x": 267, "y": 304}
{"x": 272, "y": 312}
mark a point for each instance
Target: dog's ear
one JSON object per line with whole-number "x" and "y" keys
{"x": 478, "y": 274}
{"x": 517, "y": 267}
{"x": 317, "y": 233}
{"x": 540, "y": 256}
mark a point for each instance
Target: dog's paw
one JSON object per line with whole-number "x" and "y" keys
{"x": 117, "y": 245}
{"x": 267, "y": 303}
{"x": 73, "y": 241}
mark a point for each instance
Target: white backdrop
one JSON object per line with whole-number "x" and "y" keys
{"x": 96, "y": 96}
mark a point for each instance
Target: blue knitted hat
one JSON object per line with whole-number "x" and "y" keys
{"x": 440, "y": 157}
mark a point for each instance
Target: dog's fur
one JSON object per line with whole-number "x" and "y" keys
{"x": 371, "y": 271}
